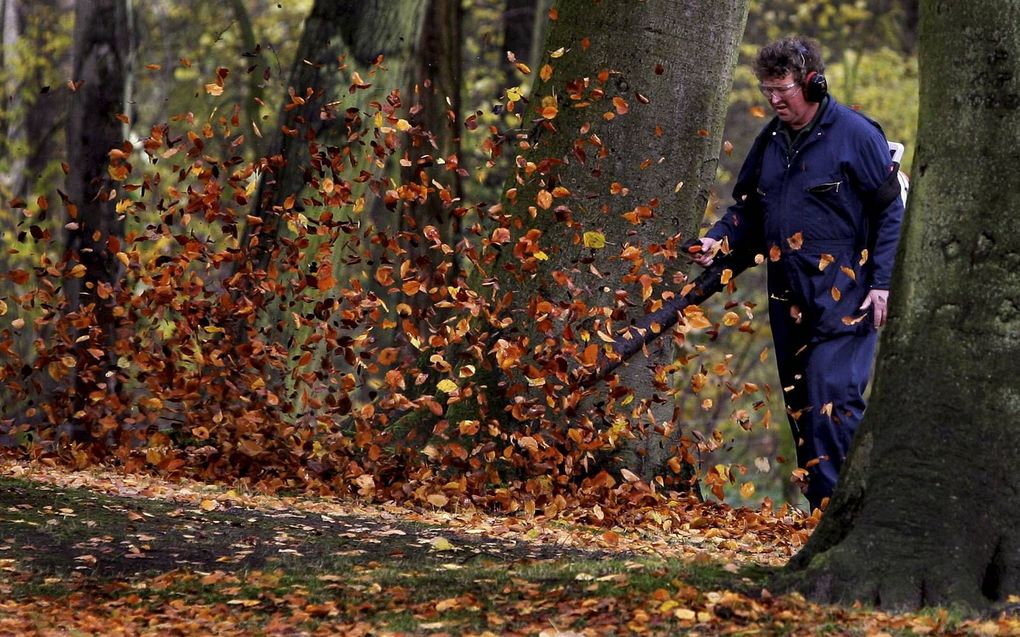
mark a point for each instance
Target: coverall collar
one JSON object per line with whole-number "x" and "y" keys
{"x": 794, "y": 138}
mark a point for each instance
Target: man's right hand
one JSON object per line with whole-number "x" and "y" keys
{"x": 706, "y": 255}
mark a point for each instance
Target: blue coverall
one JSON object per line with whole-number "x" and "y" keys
{"x": 810, "y": 208}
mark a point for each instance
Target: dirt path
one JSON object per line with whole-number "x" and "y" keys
{"x": 51, "y": 530}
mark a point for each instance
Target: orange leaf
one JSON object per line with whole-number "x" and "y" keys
{"x": 544, "y": 199}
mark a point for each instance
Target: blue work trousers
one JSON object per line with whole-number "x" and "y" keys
{"x": 824, "y": 379}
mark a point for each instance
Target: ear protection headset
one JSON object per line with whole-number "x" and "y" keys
{"x": 815, "y": 86}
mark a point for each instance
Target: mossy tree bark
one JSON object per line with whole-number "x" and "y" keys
{"x": 928, "y": 507}
{"x": 636, "y": 98}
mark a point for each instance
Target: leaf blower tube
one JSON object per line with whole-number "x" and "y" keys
{"x": 704, "y": 286}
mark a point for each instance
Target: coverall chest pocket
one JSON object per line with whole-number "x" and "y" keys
{"x": 827, "y": 187}
{"x": 825, "y": 208}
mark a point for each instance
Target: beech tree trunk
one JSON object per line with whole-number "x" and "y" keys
{"x": 433, "y": 99}
{"x": 928, "y": 507}
{"x": 94, "y": 230}
{"x": 636, "y": 98}
{"x": 35, "y": 105}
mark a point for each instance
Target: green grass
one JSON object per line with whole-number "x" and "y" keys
{"x": 339, "y": 563}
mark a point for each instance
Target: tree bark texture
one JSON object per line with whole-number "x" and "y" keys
{"x": 928, "y": 507}
{"x": 433, "y": 98}
{"x": 639, "y": 89}
{"x": 100, "y": 54}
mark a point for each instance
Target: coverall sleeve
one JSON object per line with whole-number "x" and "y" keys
{"x": 872, "y": 170}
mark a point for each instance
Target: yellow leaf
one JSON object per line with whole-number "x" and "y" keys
{"x": 446, "y": 386}
{"x": 441, "y": 544}
{"x": 447, "y": 604}
{"x": 731, "y": 319}
{"x": 247, "y": 603}
{"x": 514, "y": 94}
{"x": 594, "y": 240}
{"x": 528, "y": 443}
{"x": 214, "y": 89}
{"x": 558, "y": 53}
{"x": 208, "y": 505}
{"x": 825, "y": 261}
{"x": 438, "y": 500}
{"x": 629, "y": 475}
{"x": 747, "y": 489}
{"x": 3, "y": 308}
{"x": 403, "y": 125}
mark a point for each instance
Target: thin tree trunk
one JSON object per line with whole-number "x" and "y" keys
{"x": 259, "y": 66}
{"x": 928, "y": 507}
{"x": 433, "y": 156}
{"x": 350, "y": 33}
{"x": 519, "y": 18}
{"x": 94, "y": 231}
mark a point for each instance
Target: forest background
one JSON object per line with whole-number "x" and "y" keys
{"x": 206, "y": 89}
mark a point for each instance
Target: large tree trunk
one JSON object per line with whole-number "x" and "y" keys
{"x": 635, "y": 98}
{"x": 928, "y": 507}
{"x": 94, "y": 231}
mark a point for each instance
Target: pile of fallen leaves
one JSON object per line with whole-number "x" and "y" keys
{"x": 388, "y": 570}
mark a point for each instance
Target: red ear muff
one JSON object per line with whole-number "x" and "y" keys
{"x": 815, "y": 87}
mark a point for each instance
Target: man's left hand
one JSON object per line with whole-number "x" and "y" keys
{"x": 878, "y": 302}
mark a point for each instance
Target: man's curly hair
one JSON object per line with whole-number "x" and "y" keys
{"x": 794, "y": 54}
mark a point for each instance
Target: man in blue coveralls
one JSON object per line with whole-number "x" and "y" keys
{"x": 818, "y": 197}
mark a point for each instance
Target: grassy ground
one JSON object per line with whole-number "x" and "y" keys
{"x": 162, "y": 559}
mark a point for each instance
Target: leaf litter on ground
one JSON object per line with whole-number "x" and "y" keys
{"x": 192, "y": 558}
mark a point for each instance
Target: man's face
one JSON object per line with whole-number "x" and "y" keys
{"x": 786, "y": 97}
